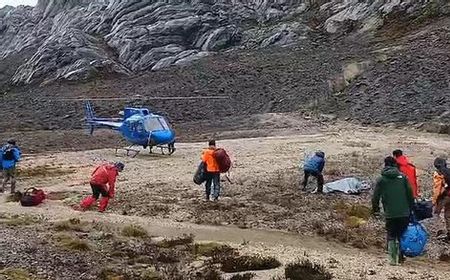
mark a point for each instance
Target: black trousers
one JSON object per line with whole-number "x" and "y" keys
{"x": 395, "y": 227}
{"x": 318, "y": 175}
{"x": 97, "y": 190}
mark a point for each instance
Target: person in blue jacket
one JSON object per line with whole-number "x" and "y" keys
{"x": 314, "y": 167}
{"x": 10, "y": 155}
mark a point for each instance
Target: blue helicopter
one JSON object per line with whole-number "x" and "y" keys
{"x": 138, "y": 126}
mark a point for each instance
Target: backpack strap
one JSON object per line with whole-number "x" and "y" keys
{"x": 29, "y": 191}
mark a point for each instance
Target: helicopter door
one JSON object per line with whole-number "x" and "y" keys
{"x": 137, "y": 129}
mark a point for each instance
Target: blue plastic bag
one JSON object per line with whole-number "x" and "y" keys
{"x": 414, "y": 240}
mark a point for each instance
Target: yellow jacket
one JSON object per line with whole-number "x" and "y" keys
{"x": 438, "y": 186}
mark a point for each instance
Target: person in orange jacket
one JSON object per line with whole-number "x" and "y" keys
{"x": 103, "y": 182}
{"x": 409, "y": 170}
{"x": 441, "y": 191}
{"x": 212, "y": 171}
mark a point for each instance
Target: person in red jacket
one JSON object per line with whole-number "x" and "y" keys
{"x": 103, "y": 182}
{"x": 409, "y": 170}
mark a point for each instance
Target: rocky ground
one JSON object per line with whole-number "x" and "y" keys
{"x": 263, "y": 196}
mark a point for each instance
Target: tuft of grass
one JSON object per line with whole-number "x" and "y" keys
{"x": 73, "y": 224}
{"x": 20, "y": 220}
{"x": 306, "y": 270}
{"x": 183, "y": 240}
{"x": 355, "y": 210}
{"x": 209, "y": 249}
{"x": 150, "y": 274}
{"x": 14, "y": 197}
{"x": 44, "y": 171}
{"x": 167, "y": 257}
{"x": 245, "y": 276}
{"x": 354, "y": 222}
{"x": 212, "y": 274}
{"x": 246, "y": 263}
{"x": 358, "y": 237}
{"x": 68, "y": 242}
{"x": 109, "y": 274}
{"x": 134, "y": 231}
{"x": 16, "y": 274}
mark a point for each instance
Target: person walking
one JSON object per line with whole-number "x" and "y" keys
{"x": 441, "y": 192}
{"x": 212, "y": 171}
{"x": 409, "y": 170}
{"x": 397, "y": 198}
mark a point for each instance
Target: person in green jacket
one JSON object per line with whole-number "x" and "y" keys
{"x": 397, "y": 198}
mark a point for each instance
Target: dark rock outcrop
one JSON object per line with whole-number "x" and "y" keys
{"x": 76, "y": 39}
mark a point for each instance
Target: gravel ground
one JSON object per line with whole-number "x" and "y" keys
{"x": 157, "y": 192}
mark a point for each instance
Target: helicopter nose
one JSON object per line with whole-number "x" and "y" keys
{"x": 165, "y": 136}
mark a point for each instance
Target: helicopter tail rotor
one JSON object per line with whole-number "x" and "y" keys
{"x": 90, "y": 116}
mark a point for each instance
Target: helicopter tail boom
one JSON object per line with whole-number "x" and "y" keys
{"x": 94, "y": 122}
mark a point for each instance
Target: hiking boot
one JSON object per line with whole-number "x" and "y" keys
{"x": 317, "y": 191}
{"x": 393, "y": 252}
{"x": 320, "y": 189}
{"x": 401, "y": 258}
{"x": 303, "y": 186}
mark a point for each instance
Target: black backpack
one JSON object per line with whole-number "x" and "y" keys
{"x": 8, "y": 154}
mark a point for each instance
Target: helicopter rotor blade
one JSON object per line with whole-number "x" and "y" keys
{"x": 145, "y": 98}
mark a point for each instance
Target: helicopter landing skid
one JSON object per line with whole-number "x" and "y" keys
{"x": 170, "y": 149}
{"x": 130, "y": 151}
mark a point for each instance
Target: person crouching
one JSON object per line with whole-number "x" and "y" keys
{"x": 103, "y": 182}
{"x": 314, "y": 167}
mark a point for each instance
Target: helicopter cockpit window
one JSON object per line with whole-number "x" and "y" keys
{"x": 140, "y": 127}
{"x": 153, "y": 124}
{"x": 163, "y": 123}
{"x": 136, "y": 126}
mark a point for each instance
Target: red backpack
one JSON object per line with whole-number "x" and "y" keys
{"x": 223, "y": 160}
{"x": 32, "y": 197}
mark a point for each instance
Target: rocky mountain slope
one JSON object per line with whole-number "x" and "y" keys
{"x": 375, "y": 62}
{"x": 77, "y": 39}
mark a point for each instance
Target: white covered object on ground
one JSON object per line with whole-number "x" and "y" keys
{"x": 346, "y": 185}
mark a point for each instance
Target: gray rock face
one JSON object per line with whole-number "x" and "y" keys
{"x": 369, "y": 15}
{"x": 76, "y": 39}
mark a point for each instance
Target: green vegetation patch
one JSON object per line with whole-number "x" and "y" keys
{"x": 246, "y": 263}
{"x": 306, "y": 270}
{"x": 134, "y": 231}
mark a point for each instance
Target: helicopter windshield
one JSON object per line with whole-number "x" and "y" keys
{"x": 156, "y": 123}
